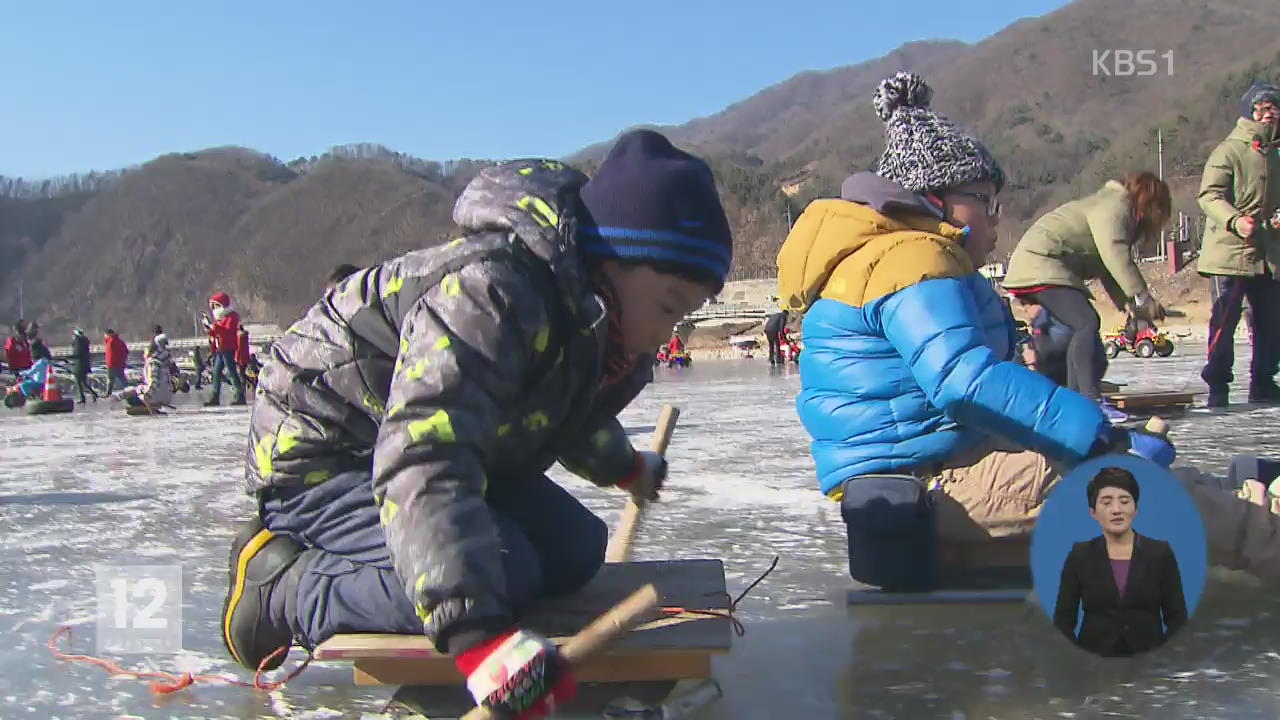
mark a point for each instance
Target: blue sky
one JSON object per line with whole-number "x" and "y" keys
{"x": 105, "y": 85}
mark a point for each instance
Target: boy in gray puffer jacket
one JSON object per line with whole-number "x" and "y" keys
{"x": 402, "y": 428}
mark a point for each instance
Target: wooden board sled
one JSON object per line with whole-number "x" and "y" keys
{"x": 1150, "y": 401}
{"x": 660, "y": 700}
{"x": 666, "y": 648}
{"x": 973, "y": 587}
{"x": 141, "y": 410}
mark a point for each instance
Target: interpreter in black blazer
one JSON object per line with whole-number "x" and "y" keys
{"x": 1128, "y": 583}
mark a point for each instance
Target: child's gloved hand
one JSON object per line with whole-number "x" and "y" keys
{"x": 648, "y": 476}
{"x": 1155, "y": 448}
{"x": 1152, "y": 447}
{"x": 518, "y": 674}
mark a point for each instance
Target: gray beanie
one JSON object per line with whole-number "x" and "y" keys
{"x": 924, "y": 151}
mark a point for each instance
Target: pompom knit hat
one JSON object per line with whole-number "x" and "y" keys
{"x": 924, "y": 151}
{"x": 651, "y": 201}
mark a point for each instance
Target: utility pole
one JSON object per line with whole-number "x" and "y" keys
{"x": 1160, "y": 150}
{"x": 1160, "y": 161}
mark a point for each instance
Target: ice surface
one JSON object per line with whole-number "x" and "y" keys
{"x": 98, "y": 487}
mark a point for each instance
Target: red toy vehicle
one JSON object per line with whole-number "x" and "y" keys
{"x": 1148, "y": 342}
{"x": 790, "y": 350}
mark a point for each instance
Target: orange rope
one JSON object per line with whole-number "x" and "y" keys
{"x": 166, "y": 683}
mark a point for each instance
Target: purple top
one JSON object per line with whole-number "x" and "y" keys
{"x": 1120, "y": 571}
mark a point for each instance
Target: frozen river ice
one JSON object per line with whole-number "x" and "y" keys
{"x": 98, "y": 487}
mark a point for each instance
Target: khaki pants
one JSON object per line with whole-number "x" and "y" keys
{"x": 988, "y": 502}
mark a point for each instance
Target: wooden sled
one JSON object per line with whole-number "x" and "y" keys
{"x": 657, "y": 700}
{"x": 647, "y": 661}
{"x": 144, "y": 411}
{"x": 1150, "y": 402}
{"x": 1008, "y": 585}
{"x": 50, "y": 407}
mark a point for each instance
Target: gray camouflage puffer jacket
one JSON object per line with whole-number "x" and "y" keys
{"x": 446, "y": 367}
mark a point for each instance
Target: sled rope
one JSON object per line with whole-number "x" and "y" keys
{"x": 738, "y": 628}
{"x": 166, "y": 683}
{"x": 673, "y": 611}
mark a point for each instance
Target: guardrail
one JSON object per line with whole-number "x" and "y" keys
{"x": 64, "y": 351}
{"x": 733, "y": 310}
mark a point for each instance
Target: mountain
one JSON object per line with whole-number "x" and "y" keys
{"x": 1059, "y": 125}
{"x": 151, "y": 246}
{"x": 147, "y": 245}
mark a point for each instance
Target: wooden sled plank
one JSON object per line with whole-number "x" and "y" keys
{"x": 858, "y": 596}
{"x": 959, "y": 585}
{"x": 666, "y": 647}
{"x": 1139, "y": 401}
{"x": 677, "y": 699}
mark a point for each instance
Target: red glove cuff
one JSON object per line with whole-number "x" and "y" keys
{"x": 637, "y": 467}
{"x": 469, "y": 660}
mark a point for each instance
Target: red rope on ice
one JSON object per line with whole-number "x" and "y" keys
{"x": 166, "y": 683}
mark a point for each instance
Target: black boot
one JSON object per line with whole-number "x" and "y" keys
{"x": 1217, "y": 396}
{"x": 1264, "y": 391}
{"x": 213, "y": 401}
{"x": 258, "y": 564}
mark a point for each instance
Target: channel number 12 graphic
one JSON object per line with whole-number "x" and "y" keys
{"x": 139, "y": 608}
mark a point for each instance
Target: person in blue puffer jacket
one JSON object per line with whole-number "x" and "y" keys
{"x": 923, "y": 426}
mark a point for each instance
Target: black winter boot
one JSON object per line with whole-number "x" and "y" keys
{"x": 1264, "y": 391}
{"x": 258, "y": 564}
{"x": 1217, "y": 396}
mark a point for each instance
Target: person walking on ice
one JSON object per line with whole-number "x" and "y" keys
{"x": 82, "y": 364}
{"x": 1240, "y": 251}
{"x": 939, "y": 447}
{"x": 117, "y": 354}
{"x": 401, "y": 429}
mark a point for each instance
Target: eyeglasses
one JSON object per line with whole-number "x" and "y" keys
{"x": 991, "y": 201}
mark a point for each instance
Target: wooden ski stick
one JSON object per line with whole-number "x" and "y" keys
{"x": 619, "y": 549}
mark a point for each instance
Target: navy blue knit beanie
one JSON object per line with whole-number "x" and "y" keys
{"x": 1258, "y": 93}
{"x": 650, "y": 201}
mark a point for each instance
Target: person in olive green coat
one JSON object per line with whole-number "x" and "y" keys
{"x": 1240, "y": 252}
{"x": 1091, "y": 239}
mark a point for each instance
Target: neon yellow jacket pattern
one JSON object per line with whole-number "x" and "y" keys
{"x": 445, "y": 368}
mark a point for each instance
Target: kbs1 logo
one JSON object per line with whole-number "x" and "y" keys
{"x": 1128, "y": 63}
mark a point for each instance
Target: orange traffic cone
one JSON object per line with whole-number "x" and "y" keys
{"x": 51, "y": 391}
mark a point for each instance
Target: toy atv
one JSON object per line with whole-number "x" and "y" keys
{"x": 1147, "y": 343}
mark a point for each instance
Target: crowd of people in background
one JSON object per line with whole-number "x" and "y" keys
{"x": 229, "y": 359}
